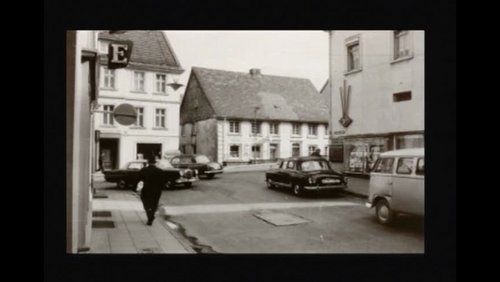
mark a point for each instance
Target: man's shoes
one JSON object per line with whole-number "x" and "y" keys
{"x": 150, "y": 222}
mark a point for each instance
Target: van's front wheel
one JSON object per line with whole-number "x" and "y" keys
{"x": 384, "y": 213}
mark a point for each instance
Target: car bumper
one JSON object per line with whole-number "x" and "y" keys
{"x": 326, "y": 187}
{"x": 186, "y": 180}
{"x": 213, "y": 171}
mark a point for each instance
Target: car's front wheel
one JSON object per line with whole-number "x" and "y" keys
{"x": 384, "y": 213}
{"x": 269, "y": 183}
{"x": 297, "y": 190}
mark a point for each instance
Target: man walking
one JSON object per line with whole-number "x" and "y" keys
{"x": 153, "y": 180}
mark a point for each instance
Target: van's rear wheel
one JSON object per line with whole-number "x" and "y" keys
{"x": 298, "y": 190}
{"x": 384, "y": 213}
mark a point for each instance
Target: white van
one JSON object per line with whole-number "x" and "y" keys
{"x": 397, "y": 184}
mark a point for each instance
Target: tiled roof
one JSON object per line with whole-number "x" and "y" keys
{"x": 150, "y": 47}
{"x": 236, "y": 94}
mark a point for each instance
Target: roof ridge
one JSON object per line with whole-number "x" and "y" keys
{"x": 246, "y": 73}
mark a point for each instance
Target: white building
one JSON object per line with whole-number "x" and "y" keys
{"x": 235, "y": 117}
{"x": 384, "y": 71}
{"x": 144, "y": 83}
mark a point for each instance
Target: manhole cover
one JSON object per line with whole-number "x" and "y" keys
{"x": 100, "y": 196}
{"x": 150, "y": 251}
{"x": 280, "y": 219}
{"x": 101, "y": 214}
{"x": 102, "y": 224}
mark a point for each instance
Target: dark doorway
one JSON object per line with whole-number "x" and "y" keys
{"x": 109, "y": 153}
{"x": 146, "y": 150}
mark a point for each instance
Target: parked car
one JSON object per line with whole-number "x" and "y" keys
{"x": 305, "y": 174}
{"x": 128, "y": 176}
{"x": 199, "y": 162}
{"x": 397, "y": 184}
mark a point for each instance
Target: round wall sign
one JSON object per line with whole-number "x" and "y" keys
{"x": 125, "y": 114}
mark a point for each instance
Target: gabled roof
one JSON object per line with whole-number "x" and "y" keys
{"x": 150, "y": 48}
{"x": 237, "y": 94}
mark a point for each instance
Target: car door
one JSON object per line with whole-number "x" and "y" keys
{"x": 287, "y": 173}
{"x": 381, "y": 178}
{"x": 408, "y": 188}
{"x": 272, "y": 174}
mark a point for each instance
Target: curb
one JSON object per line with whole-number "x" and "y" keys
{"x": 358, "y": 195}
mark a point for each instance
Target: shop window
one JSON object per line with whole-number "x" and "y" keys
{"x": 234, "y": 151}
{"x": 410, "y": 141}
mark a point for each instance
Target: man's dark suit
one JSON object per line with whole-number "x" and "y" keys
{"x": 154, "y": 179}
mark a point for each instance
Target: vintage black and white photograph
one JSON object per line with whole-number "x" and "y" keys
{"x": 245, "y": 142}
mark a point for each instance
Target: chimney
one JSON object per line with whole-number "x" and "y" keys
{"x": 254, "y": 72}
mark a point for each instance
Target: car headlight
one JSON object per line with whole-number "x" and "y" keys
{"x": 346, "y": 179}
{"x": 195, "y": 172}
{"x": 181, "y": 172}
{"x": 310, "y": 180}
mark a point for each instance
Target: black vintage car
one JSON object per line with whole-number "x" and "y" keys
{"x": 199, "y": 162}
{"x": 129, "y": 175}
{"x": 305, "y": 174}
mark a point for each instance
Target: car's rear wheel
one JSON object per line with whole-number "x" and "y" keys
{"x": 384, "y": 213}
{"x": 122, "y": 184}
{"x": 188, "y": 184}
{"x": 297, "y": 190}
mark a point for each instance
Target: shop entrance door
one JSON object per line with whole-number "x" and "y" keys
{"x": 109, "y": 153}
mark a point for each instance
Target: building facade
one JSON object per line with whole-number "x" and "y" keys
{"x": 235, "y": 117}
{"x": 378, "y": 94}
{"x": 81, "y": 92}
{"x": 144, "y": 84}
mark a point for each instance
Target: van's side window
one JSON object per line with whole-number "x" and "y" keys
{"x": 384, "y": 165}
{"x": 405, "y": 166}
{"x": 420, "y": 167}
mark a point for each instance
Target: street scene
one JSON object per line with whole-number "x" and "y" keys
{"x": 252, "y": 142}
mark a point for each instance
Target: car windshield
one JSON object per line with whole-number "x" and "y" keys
{"x": 202, "y": 159}
{"x": 163, "y": 164}
{"x": 135, "y": 165}
{"x": 314, "y": 165}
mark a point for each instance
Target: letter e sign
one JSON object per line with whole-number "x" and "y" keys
{"x": 119, "y": 54}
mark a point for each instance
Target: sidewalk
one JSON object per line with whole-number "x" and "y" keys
{"x": 130, "y": 234}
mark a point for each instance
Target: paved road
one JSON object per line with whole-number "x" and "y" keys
{"x": 236, "y": 213}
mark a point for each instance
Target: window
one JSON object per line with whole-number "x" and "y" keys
{"x": 296, "y": 129}
{"x": 161, "y": 83}
{"x": 326, "y": 151}
{"x": 274, "y": 128}
{"x": 337, "y": 153}
{"x": 136, "y": 165}
{"x": 295, "y": 150}
{"x": 160, "y": 118}
{"x": 256, "y": 151}
{"x": 256, "y": 127}
{"x": 313, "y": 130}
{"x": 311, "y": 148}
{"x": 103, "y": 47}
{"x": 353, "y": 58}
{"x": 193, "y": 147}
{"x": 234, "y": 127}
{"x": 234, "y": 151}
{"x": 201, "y": 159}
{"x": 326, "y": 130}
{"x": 384, "y": 165}
{"x": 401, "y": 44}
{"x": 314, "y": 165}
{"x": 420, "y": 167}
{"x": 139, "y": 78}
{"x": 194, "y": 130}
{"x": 140, "y": 117}
{"x": 107, "y": 117}
{"x": 284, "y": 164}
{"x": 405, "y": 166}
{"x": 290, "y": 165}
{"x": 402, "y": 96}
{"x": 273, "y": 151}
{"x": 109, "y": 78}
